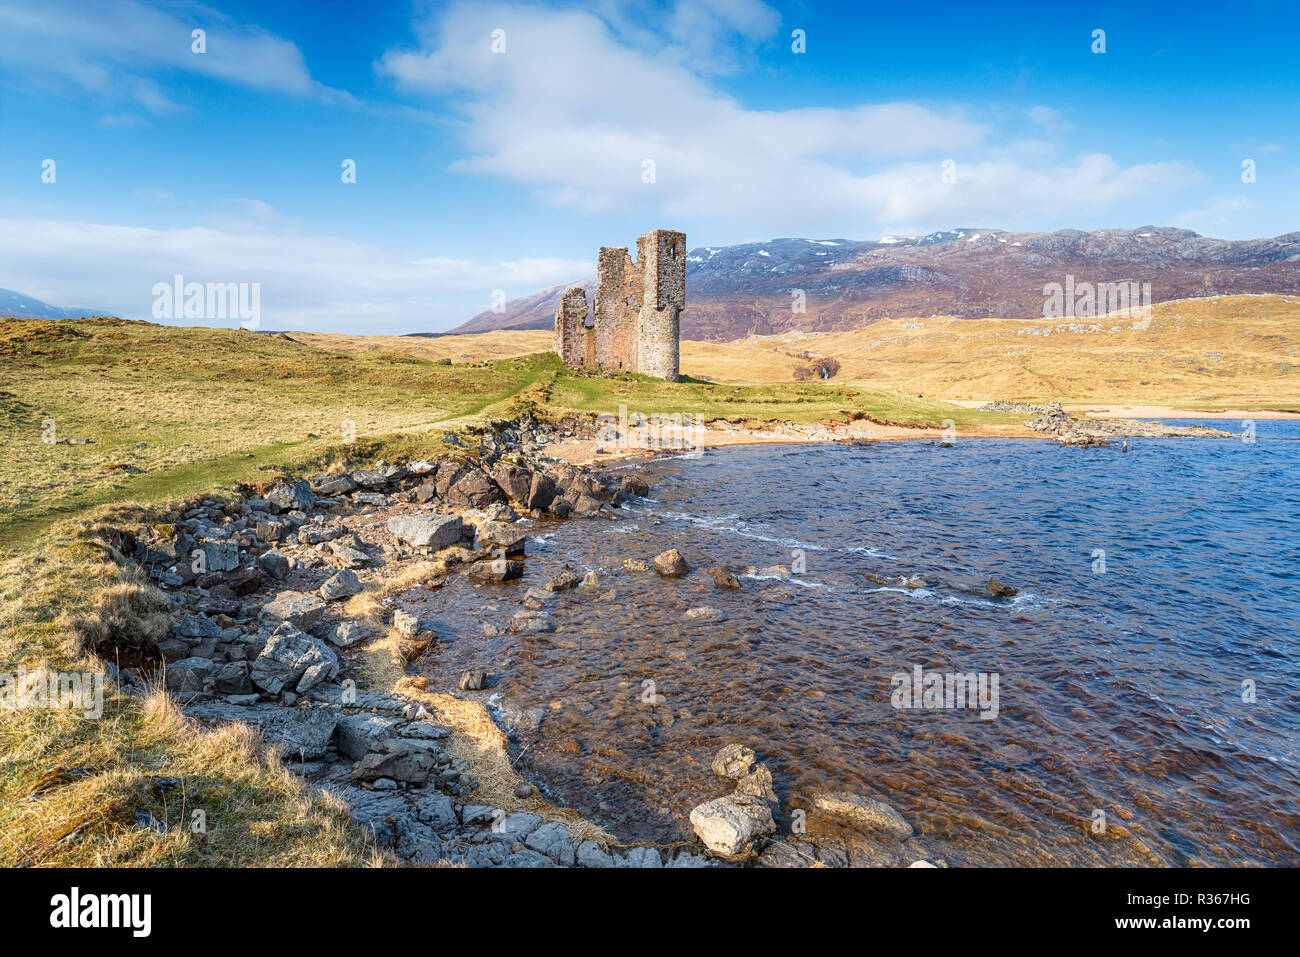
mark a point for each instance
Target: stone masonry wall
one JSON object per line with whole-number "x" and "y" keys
{"x": 571, "y": 329}
{"x": 636, "y": 323}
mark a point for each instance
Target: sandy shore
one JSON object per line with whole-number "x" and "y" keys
{"x": 1152, "y": 411}
{"x": 638, "y": 442}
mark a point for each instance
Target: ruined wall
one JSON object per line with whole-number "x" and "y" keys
{"x": 636, "y": 314}
{"x": 662, "y": 255}
{"x": 571, "y": 330}
{"x": 618, "y": 293}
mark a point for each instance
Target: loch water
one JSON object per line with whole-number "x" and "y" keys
{"x": 1147, "y": 668}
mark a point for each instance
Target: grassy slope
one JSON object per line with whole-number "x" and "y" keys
{"x": 213, "y": 406}
{"x": 1223, "y": 352}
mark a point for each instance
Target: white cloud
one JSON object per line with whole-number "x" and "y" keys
{"x": 307, "y": 281}
{"x": 103, "y": 48}
{"x": 573, "y": 109}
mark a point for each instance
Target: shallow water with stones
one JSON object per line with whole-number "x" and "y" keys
{"x": 1120, "y": 686}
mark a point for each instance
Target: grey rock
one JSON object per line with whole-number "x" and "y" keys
{"x": 343, "y": 584}
{"x": 275, "y": 564}
{"x": 733, "y": 825}
{"x": 292, "y": 496}
{"x": 349, "y": 556}
{"x": 407, "y": 625}
{"x": 640, "y": 857}
{"x": 220, "y": 556}
{"x": 232, "y": 679}
{"x": 196, "y": 626}
{"x": 316, "y": 534}
{"x": 411, "y": 765}
{"x": 495, "y": 571}
{"x": 590, "y": 854}
{"x": 358, "y": 734}
{"x": 427, "y": 531}
{"x": 532, "y": 622}
{"x": 502, "y": 539}
{"x": 270, "y": 530}
{"x": 301, "y": 732}
{"x": 188, "y": 674}
{"x": 287, "y": 658}
{"x": 347, "y": 633}
{"x": 296, "y": 608}
{"x": 331, "y": 483}
{"x": 733, "y": 762}
{"x": 553, "y": 840}
{"x": 704, "y": 613}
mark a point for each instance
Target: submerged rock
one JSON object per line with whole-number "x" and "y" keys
{"x": 863, "y": 811}
{"x": 998, "y": 589}
{"x": 733, "y": 762}
{"x": 494, "y": 571}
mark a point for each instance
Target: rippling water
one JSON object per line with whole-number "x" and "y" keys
{"x": 1152, "y": 585}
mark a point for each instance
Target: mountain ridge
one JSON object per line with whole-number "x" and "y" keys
{"x": 970, "y": 273}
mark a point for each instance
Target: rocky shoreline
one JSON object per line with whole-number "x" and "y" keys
{"x": 282, "y": 619}
{"x": 1054, "y": 421}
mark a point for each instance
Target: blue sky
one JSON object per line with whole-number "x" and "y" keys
{"x": 480, "y": 171}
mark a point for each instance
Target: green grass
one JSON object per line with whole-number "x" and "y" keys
{"x": 172, "y": 412}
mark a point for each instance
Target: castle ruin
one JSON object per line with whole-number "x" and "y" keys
{"x": 638, "y": 307}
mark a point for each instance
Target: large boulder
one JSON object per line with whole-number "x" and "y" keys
{"x": 297, "y": 608}
{"x": 503, "y": 538}
{"x": 331, "y": 483}
{"x": 293, "y": 661}
{"x": 541, "y": 493}
{"x": 733, "y": 825}
{"x": 292, "y": 496}
{"x": 468, "y": 485}
{"x": 427, "y": 531}
{"x": 514, "y": 480}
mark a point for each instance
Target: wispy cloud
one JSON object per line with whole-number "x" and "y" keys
{"x": 577, "y": 111}
{"x": 307, "y": 281}
{"x": 107, "y": 49}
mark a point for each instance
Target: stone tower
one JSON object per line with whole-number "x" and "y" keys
{"x": 637, "y": 312}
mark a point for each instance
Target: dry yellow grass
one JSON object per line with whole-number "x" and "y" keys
{"x": 1231, "y": 351}
{"x": 71, "y": 785}
{"x": 1226, "y": 351}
